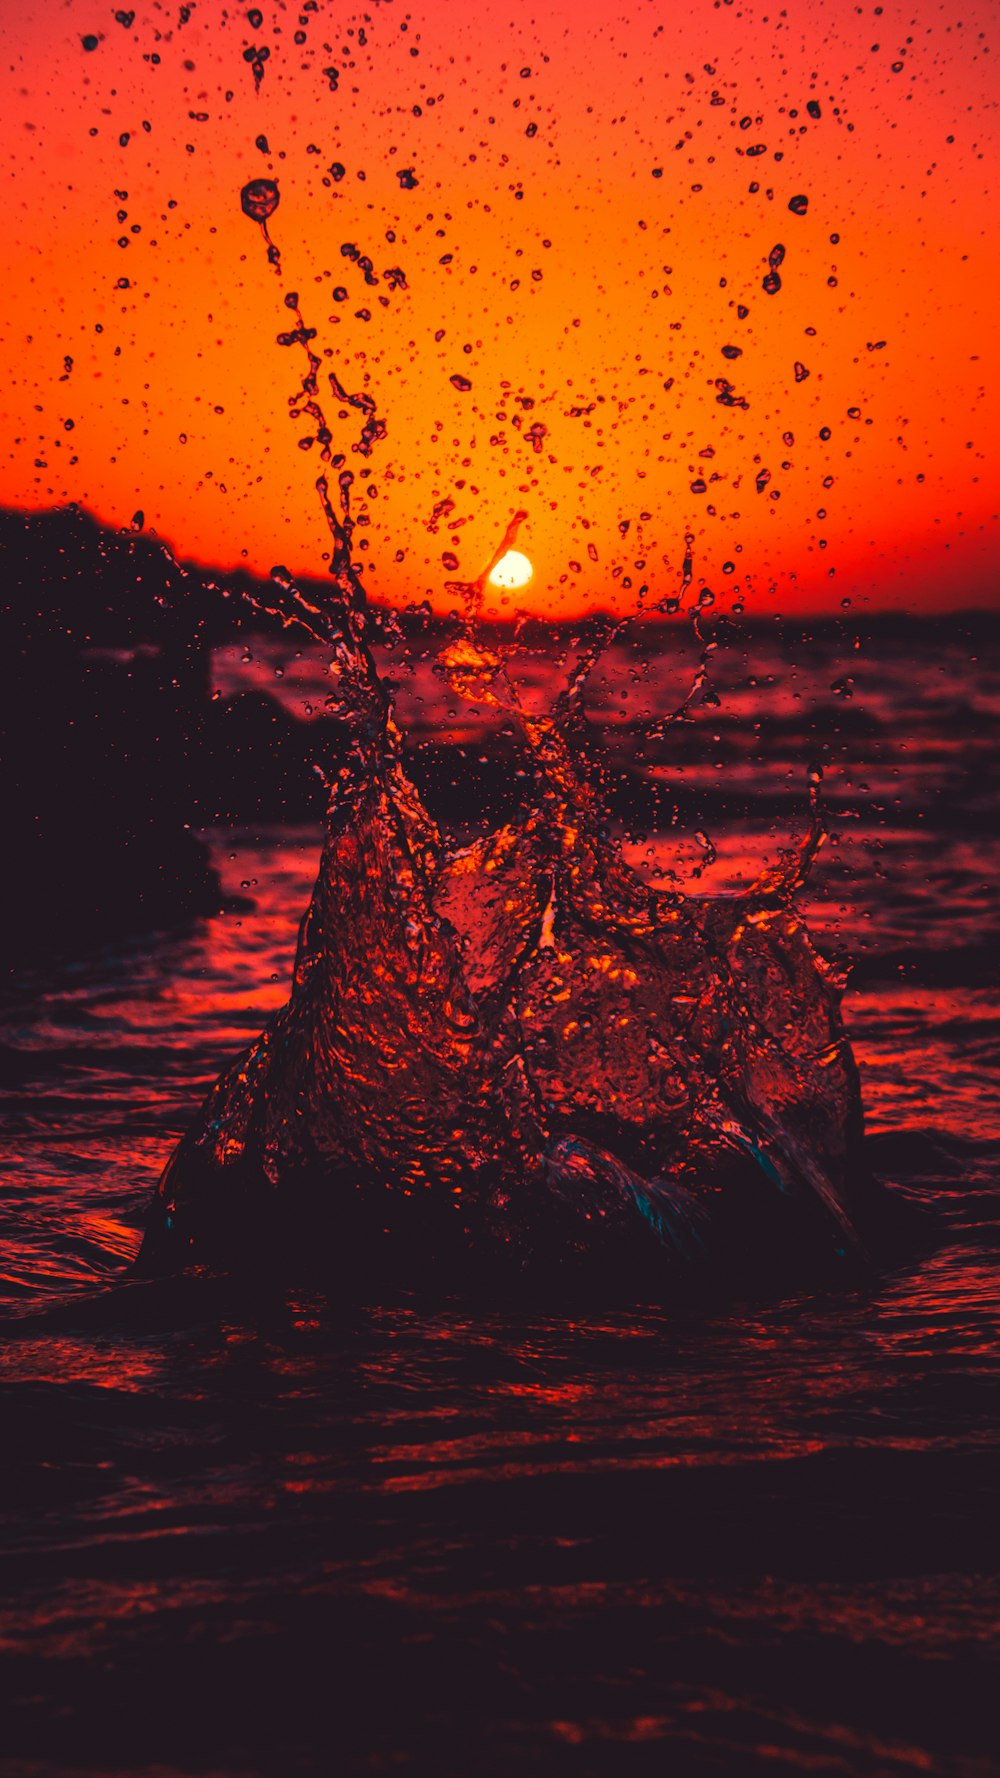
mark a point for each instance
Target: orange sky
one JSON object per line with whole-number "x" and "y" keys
{"x": 593, "y": 267}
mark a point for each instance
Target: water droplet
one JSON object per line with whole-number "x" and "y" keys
{"x": 813, "y": 109}
{"x": 90, "y": 42}
{"x": 771, "y": 284}
{"x": 801, "y": 372}
{"x": 727, "y": 396}
{"x": 408, "y": 179}
{"x": 256, "y": 59}
{"x": 460, "y": 382}
{"x": 259, "y": 199}
{"x": 798, "y": 205}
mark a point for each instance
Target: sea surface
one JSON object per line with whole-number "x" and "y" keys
{"x": 257, "y": 1530}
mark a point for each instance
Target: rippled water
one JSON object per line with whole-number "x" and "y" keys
{"x": 264, "y": 1531}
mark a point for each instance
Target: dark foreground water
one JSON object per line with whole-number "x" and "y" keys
{"x": 249, "y": 1531}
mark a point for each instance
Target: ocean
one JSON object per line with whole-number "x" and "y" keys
{"x": 257, "y": 1529}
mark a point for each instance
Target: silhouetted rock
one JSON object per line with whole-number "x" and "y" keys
{"x": 104, "y": 678}
{"x": 256, "y": 763}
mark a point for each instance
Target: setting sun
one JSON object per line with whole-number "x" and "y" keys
{"x": 513, "y": 570}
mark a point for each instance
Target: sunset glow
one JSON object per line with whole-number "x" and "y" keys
{"x": 725, "y": 272}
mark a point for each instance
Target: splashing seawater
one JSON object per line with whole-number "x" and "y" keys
{"x": 517, "y": 1050}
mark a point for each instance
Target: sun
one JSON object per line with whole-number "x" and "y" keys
{"x": 512, "y": 570}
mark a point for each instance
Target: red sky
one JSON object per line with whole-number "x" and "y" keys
{"x": 588, "y": 220}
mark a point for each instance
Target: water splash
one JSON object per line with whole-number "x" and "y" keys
{"x": 517, "y": 1050}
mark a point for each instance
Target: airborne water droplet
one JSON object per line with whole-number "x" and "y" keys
{"x": 259, "y": 199}
{"x": 798, "y": 205}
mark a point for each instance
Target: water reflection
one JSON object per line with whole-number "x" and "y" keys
{"x": 762, "y": 1538}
